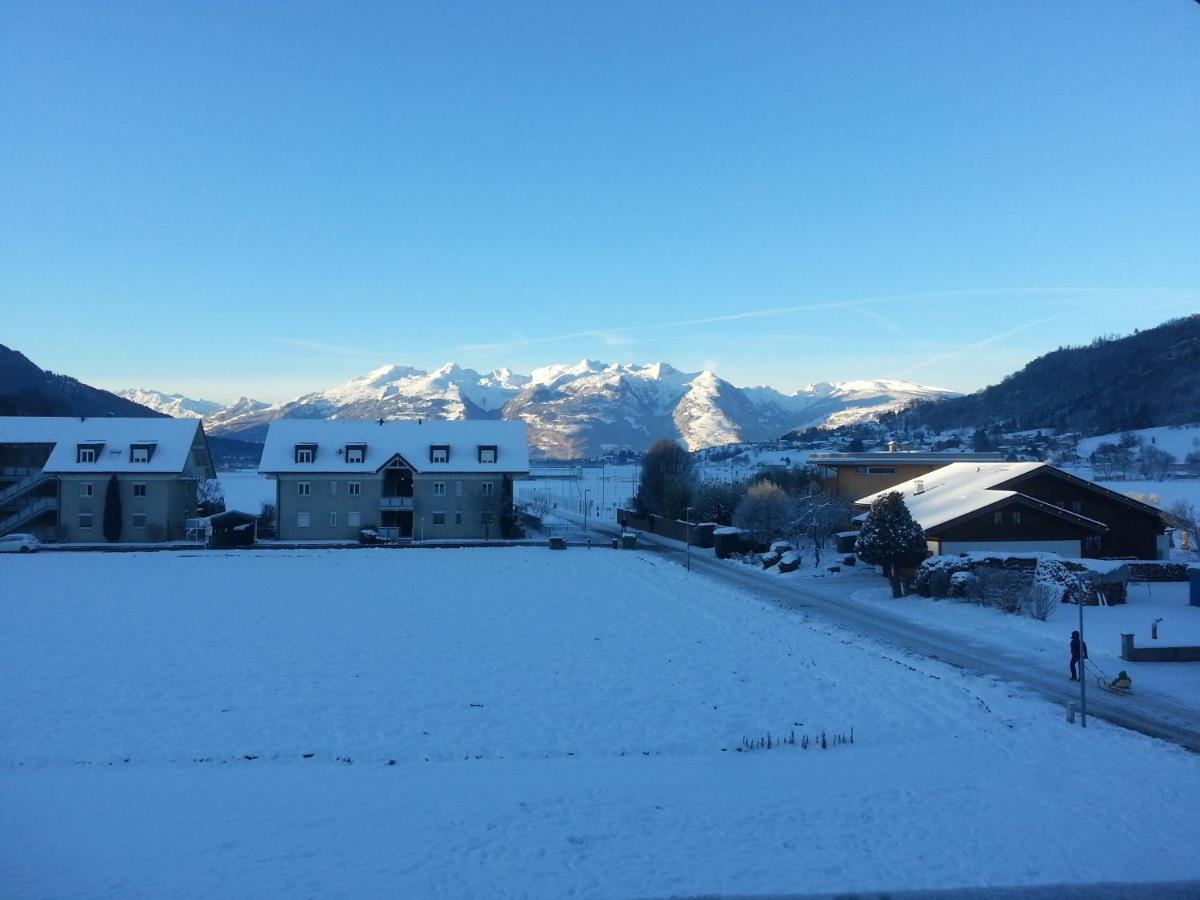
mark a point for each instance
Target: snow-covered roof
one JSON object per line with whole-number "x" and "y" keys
{"x": 960, "y": 489}
{"x": 411, "y": 439}
{"x": 170, "y": 441}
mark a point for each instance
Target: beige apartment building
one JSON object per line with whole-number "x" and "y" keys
{"x": 409, "y": 480}
{"x": 55, "y": 472}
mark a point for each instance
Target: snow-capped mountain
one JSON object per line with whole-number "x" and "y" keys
{"x": 175, "y": 405}
{"x": 585, "y": 408}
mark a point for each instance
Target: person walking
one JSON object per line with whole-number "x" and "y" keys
{"x": 1077, "y": 646}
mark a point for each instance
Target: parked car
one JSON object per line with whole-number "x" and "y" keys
{"x": 19, "y": 543}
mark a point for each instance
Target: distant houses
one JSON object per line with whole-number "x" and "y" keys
{"x": 54, "y": 476}
{"x": 1022, "y": 507}
{"x": 400, "y": 480}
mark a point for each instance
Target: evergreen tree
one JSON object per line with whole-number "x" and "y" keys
{"x": 112, "y": 511}
{"x": 668, "y": 481}
{"x": 890, "y": 538}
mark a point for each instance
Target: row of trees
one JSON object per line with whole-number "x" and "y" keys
{"x": 783, "y": 503}
{"x": 780, "y": 503}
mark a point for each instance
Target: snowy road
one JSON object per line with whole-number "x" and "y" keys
{"x": 1155, "y": 716}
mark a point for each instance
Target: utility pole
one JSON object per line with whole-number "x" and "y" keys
{"x": 1082, "y": 670}
{"x": 688, "y": 513}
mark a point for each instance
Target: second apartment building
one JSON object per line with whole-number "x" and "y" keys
{"x": 407, "y": 480}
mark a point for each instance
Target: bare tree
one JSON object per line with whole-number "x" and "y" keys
{"x": 817, "y": 515}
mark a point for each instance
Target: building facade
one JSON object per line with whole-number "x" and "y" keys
{"x": 854, "y": 475}
{"x": 55, "y": 473}
{"x": 402, "y": 480}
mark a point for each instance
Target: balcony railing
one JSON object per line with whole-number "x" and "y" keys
{"x": 395, "y": 502}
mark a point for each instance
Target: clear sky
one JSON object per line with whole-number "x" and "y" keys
{"x": 230, "y": 198}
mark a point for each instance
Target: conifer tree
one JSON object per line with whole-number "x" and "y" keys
{"x": 112, "y": 511}
{"x": 890, "y": 538}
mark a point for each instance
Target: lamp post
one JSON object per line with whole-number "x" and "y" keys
{"x": 585, "y": 509}
{"x": 689, "y": 538}
{"x": 1082, "y": 670}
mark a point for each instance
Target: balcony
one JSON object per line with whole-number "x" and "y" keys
{"x": 395, "y": 502}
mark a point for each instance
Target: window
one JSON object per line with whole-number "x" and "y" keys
{"x": 333, "y": 520}
{"x": 998, "y": 518}
{"x": 139, "y": 489}
{"x": 86, "y": 488}
{"x": 354, "y": 519}
{"x": 439, "y": 453}
{"x": 439, "y": 518}
{"x": 353, "y": 488}
{"x": 439, "y": 489}
{"x": 356, "y": 453}
{"x": 306, "y": 453}
{"x": 458, "y": 517}
{"x": 87, "y": 453}
{"x": 458, "y": 489}
{"x": 140, "y": 453}
{"x": 139, "y": 520}
{"x": 487, "y": 453}
{"x": 85, "y": 520}
{"x": 876, "y": 470}
{"x": 487, "y": 488}
{"x": 303, "y": 488}
{"x": 1016, "y": 517}
{"x": 303, "y": 520}
{"x": 333, "y": 489}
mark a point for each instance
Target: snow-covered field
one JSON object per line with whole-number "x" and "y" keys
{"x": 561, "y": 724}
{"x": 246, "y": 490}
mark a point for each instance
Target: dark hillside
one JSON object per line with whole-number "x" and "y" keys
{"x": 1115, "y": 383}
{"x": 26, "y": 390}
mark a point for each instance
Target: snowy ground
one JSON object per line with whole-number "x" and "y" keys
{"x": 562, "y": 724}
{"x": 246, "y": 490}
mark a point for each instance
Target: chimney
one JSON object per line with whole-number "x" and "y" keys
{"x": 918, "y": 487}
{"x": 891, "y": 446}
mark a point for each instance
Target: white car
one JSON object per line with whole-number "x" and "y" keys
{"x": 19, "y": 543}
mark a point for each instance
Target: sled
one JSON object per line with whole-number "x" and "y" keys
{"x": 1106, "y": 685}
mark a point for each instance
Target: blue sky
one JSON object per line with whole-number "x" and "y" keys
{"x": 270, "y": 198}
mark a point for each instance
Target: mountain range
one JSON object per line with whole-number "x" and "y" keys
{"x": 583, "y": 409}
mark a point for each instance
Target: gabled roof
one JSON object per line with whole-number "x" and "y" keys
{"x": 409, "y": 438}
{"x": 172, "y": 441}
{"x": 1091, "y": 485}
{"x": 959, "y": 491}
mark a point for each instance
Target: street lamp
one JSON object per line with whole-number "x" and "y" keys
{"x": 585, "y": 509}
{"x": 689, "y": 538}
{"x": 1082, "y": 670}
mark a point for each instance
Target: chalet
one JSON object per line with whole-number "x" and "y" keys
{"x": 54, "y": 475}
{"x": 853, "y": 475}
{"x": 1031, "y": 506}
{"x": 406, "y": 480}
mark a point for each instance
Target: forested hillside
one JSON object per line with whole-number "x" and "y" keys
{"x": 1115, "y": 383}
{"x": 26, "y": 390}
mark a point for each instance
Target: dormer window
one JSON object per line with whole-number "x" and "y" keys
{"x": 141, "y": 453}
{"x": 356, "y": 453}
{"x": 487, "y": 453}
{"x": 87, "y": 453}
{"x": 439, "y": 453}
{"x": 306, "y": 453}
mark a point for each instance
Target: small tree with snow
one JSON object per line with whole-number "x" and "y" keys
{"x": 765, "y": 512}
{"x": 890, "y": 538}
{"x": 819, "y": 514}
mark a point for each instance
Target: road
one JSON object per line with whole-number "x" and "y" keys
{"x": 1155, "y": 716}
